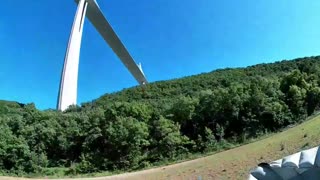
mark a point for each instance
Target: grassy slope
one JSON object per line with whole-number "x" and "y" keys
{"x": 237, "y": 162}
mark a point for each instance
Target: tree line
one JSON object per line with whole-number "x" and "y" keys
{"x": 163, "y": 121}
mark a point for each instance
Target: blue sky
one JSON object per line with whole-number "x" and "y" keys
{"x": 171, "y": 38}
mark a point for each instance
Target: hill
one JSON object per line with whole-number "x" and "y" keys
{"x": 234, "y": 163}
{"x": 163, "y": 122}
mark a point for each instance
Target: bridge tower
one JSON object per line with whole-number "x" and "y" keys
{"x": 69, "y": 78}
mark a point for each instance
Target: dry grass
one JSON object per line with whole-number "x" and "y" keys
{"x": 235, "y": 163}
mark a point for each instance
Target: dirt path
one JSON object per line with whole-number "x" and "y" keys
{"x": 145, "y": 174}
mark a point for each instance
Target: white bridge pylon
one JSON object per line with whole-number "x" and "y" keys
{"x": 69, "y": 77}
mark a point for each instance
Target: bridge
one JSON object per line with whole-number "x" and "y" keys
{"x": 69, "y": 78}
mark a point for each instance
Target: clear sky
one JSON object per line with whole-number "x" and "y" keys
{"x": 171, "y": 38}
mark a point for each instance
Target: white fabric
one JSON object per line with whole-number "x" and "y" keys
{"x": 251, "y": 177}
{"x": 291, "y": 161}
{"x": 276, "y": 163}
{"x": 301, "y": 165}
{"x": 308, "y": 157}
{"x": 317, "y": 159}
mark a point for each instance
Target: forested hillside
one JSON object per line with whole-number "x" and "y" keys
{"x": 162, "y": 121}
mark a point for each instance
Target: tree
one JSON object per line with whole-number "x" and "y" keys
{"x": 313, "y": 99}
{"x": 166, "y": 140}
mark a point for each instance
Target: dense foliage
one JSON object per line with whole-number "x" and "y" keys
{"x": 163, "y": 121}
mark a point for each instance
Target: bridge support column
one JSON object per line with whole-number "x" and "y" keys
{"x": 69, "y": 77}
